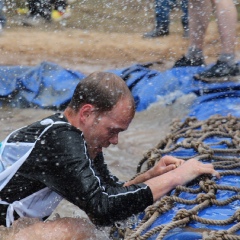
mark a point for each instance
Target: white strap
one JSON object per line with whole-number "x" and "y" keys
{"x": 38, "y": 205}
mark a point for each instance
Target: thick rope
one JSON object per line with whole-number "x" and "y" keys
{"x": 194, "y": 134}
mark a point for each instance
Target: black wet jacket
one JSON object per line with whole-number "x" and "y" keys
{"x": 60, "y": 161}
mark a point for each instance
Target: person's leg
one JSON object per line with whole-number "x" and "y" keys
{"x": 184, "y": 18}
{"x": 32, "y": 7}
{"x": 199, "y": 15}
{"x": 39, "y": 13}
{"x": 2, "y": 16}
{"x": 61, "y": 229}
{"x": 41, "y": 8}
{"x": 225, "y": 69}
{"x": 60, "y": 5}
{"x": 162, "y": 11}
{"x": 226, "y": 14}
{"x": 162, "y": 14}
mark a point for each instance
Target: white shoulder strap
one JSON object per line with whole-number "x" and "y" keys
{"x": 39, "y": 204}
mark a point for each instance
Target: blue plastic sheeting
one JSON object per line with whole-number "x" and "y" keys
{"x": 46, "y": 85}
{"x": 51, "y": 86}
{"x": 217, "y": 103}
{"x": 148, "y": 86}
{"x": 212, "y": 212}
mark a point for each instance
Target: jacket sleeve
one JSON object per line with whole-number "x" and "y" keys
{"x": 64, "y": 166}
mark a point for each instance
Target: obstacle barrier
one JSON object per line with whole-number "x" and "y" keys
{"x": 206, "y": 208}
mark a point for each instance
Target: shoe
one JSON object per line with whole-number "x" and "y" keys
{"x": 22, "y": 11}
{"x": 58, "y": 16}
{"x": 220, "y": 72}
{"x": 34, "y": 21}
{"x": 187, "y": 62}
{"x": 157, "y": 32}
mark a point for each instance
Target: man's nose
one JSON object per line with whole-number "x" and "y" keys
{"x": 114, "y": 139}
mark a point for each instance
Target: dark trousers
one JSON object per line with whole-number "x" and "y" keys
{"x": 163, "y": 9}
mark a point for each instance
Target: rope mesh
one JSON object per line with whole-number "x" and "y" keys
{"x": 202, "y": 139}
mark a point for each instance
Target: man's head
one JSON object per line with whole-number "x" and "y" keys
{"x": 101, "y": 89}
{"x": 101, "y": 106}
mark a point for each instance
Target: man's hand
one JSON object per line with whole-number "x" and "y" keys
{"x": 165, "y": 164}
{"x": 186, "y": 172}
{"x": 170, "y": 172}
{"x": 192, "y": 169}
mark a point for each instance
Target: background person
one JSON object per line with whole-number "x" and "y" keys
{"x": 40, "y": 11}
{"x": 199, "y": 15}
{"x": 3, "y": 19}
{"x": 162, "y": 18}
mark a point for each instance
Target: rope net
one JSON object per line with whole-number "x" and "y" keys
{"x": 214, "y": 140}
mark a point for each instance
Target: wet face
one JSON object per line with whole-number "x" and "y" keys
{"x": 101, "y": 130}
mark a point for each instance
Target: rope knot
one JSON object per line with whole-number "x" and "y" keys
{"x": 161, "y": 206}
{"x": 154, "y": 152}
{"x": 150, "y": 210}
{"x": 214, "y": 235}
{"x": 207, "y": 185}
{"x": 164, "y": 205}
{"x": 204, "y": 149}
{"x": 202, "y": 197}
{"x": 220, "y": 234}
{"x": 181, "y": 214}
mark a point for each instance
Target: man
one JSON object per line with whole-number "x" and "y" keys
{"x": 199, "y": 15}
{"x": 3, "y": 18}
{"x": 61, "y": 157}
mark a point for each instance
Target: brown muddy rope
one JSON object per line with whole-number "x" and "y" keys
{"x": 192, "y": 134}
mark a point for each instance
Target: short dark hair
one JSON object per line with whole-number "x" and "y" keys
{"x": 101, "y": 89}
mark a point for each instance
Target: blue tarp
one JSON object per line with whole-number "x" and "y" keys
{"x": 47, "y": 85}
{"x": 50, "y": 86}
{"x": 148, "y": 86}
{"x": 212, "y": 212}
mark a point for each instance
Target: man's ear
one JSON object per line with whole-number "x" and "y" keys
{"x": 85, "y": 112}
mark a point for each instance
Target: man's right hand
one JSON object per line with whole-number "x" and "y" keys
{"x": 183, "y": 174}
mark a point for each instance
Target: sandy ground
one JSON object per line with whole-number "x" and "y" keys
{"x": 85, "y": 51}
{"x": 100, "y": 35}
{"x": 89, "y": 50}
